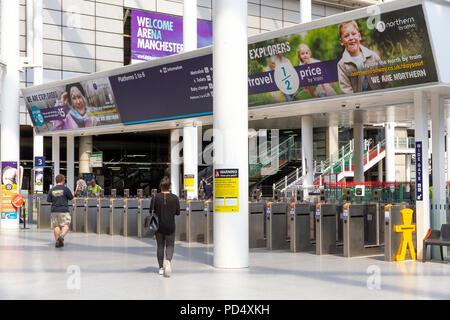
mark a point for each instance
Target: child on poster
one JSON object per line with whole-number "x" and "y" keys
{"x": 305, "y": 57}
{"x": 355, "y": 58}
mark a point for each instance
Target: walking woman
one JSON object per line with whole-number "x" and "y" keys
{"x": 166, "y": 206}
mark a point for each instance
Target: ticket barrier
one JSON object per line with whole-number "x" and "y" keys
{"x": 180, "y": 222}
{"x": 256, "y": 222}
{"x": 104, "y": 216}
{"x": 393, "y": 239}
{"x": 300, "y": 226}
{"x": 276, "y": 219}
{"x": 79, "y": 213}
{"x": 91, "y": 215}
{"x": 130, "y": 218}
{"x": 117, "y": 217}
{"x": 43, "y": 214}
{"x": 328, "y": 228}
{"x": 143, "y": 212}
{"x": 209, "y": 222}
{"x": 358, "y": 241}
{"x": 195, "y": 222}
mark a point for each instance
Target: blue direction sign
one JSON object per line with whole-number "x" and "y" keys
{"x": 39, "y": 161}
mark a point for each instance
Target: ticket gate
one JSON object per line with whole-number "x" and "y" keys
{"x": 392, "y": 239}
{"x": 91, "y": 215}
{"x": 328, "y": 228}
{"x": 209, "y": 223}
{"x": 104, "y": 216}
{"x": 43, "y": 214}
{"x": 256, "y": 222}
{"x": 130, "y": 218}
{"x": 276, "y": 220}
{"x": 143, "y": 212}
{"x": 300, "y": 226}
{"x": 195, "y": 222}
{"x": 117, "y": 213}
{"x": 357, "y": 239}
{"x": 180, "y": 222}
{"x": 79, "y": 213}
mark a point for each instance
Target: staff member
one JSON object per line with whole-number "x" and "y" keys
{"x": 60, "y": 196}
{"x": 94, "y": 188}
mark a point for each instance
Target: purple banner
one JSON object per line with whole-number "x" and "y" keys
{"x": 57, "y": 112}
{"x": 156, "y": 35}
{"x": 309, "y": 75}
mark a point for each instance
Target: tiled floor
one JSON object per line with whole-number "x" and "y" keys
{"x": 92, "y": 266}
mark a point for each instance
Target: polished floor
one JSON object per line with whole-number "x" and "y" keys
{"x": 92, "y": 266}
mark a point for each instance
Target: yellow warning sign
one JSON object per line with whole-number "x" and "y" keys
{"x": 406, "y": 229}
{"x": 189, "y": 182}
{"x": 226, "y": 190}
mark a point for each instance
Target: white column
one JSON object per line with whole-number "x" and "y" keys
{"x": 439, "y": 213}
{"x": 358, "y": 151}
{"x": 408, "y": 171}
{"x": 175, "y": 160}
{"x": 380, "y": 171}
{"x": 421, "y": 135}
{"x": 35, "y": 43}
{"x": 189, "y": 25}
{"x": 85, "y": 148}
{"x": 55, "y": 158}
{"x": 305, "y": 11}
{"x": 389, "y": 130}
{"x": 332, "y": 142}
{"x": 307, "y": 151}
{"x": 190, "y": 163}
{"x": 231, "y": 122}
{"x": 448, "y": 150}
{"x": 70, "y": 152}
{"x": 10, "y": 125}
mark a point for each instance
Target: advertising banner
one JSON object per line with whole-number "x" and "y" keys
{"x": 77, "y": 105}
{"x": 176, "y": 90}
{"x": 39, "y": 164}
{"x": 352, "y": 57}
{"x": 226, "y": 190}
{"x": 9, "y": 188}
{"x": 156, "y": 35}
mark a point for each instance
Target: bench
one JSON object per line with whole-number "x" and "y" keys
{"x": 437, "y": 238}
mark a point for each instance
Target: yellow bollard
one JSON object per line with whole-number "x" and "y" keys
{"x": 406, "y": 229}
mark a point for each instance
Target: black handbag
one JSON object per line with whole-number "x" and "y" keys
{"x": 151, "y": 223}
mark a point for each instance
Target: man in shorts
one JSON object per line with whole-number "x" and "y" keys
{"x": 60, "y": 196}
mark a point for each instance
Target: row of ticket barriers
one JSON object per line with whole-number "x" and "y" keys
{"x": 350, "y": 229}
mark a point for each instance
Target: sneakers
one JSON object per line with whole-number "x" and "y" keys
{"x": 167, "y": 268}
{"x": 59, "y": 242}
{"x": 161, "y": 271}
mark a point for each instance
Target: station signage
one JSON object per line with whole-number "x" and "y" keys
{"x": 155, "y": 35}
{"x": 354, "y": 57}
{"x": 96, "y": 159}
{"x": 419, "y": 171}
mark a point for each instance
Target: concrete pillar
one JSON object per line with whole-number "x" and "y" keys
{"x": 189, "y": 25}
{"x": 85, "y": 148}
{"x": 389, "y": 130}
{"x": 70, "y": 152}
{"x": 55, "y": 158}
{"x": 190, "y": 163}
{"x": 305, "y": 11}
{"x": 35, "y": 43}
{"x": 380, "y": 171}
{"x": 358, "y": 151}
{"x": 231, "y": 122}
{"x": 439, "y": 212}
{"x": 408, "y": 171}
{"x": 307, "y": 151}
{"x": 175, "y": 160}
{"x": 421, "y": 136}
{"x": 332, "y": 142}
{"x": 10, "y": 125}
{"x": 448, "y": 151}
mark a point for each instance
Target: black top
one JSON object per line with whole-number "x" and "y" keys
{"x": 208, "y": 191}
{"x": 59, "y": 196}
{"x": 166, "y": 206}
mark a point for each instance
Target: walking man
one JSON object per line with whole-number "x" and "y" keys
{"x": 60, "y": 196}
